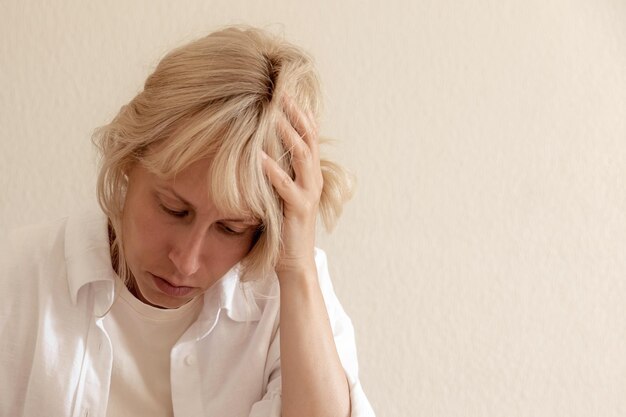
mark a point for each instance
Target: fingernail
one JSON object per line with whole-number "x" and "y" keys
{"x": 263, "y": 155}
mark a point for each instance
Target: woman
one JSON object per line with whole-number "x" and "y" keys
{"x": 198, "y": 291}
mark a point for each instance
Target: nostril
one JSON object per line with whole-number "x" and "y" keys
{"x": 186, "y": 261}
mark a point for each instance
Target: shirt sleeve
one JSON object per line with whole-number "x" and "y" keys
{"x": 343, "y": 333}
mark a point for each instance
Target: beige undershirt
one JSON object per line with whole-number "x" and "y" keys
{"x": 142, "y": 337}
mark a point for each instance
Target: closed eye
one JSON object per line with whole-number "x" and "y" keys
{"x": 229, "y": 230}
{"x": 175, "y": 213}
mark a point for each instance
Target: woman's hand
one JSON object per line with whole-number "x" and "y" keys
{"x": 313, "y": 380}
{"x": 301, "y": 195}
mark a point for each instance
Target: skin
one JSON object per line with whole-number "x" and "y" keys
{"x": 313, "y": 381}
{"x": 173, "y": 231}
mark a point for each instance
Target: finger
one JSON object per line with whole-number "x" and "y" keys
{"x": 314, "y": 146}
{"x": 303, "y": 123}
{"x": 292, "y": 140}
{"x": 280, "y": 180}
{"x": 306, "y": 164}
{"x": 303, "y": 162}
{"x": 306, "y": 161}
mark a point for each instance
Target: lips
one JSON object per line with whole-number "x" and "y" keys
{"x": 170, "y": 289}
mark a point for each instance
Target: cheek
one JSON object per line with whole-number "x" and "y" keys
{"x": 145, "y": 236}
{"x": 225, "y": 253}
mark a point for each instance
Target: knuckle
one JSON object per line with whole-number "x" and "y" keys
{"x": 285, "y": 180}
{"x": 305, "y": 152}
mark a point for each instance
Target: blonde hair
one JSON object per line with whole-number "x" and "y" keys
{"x": 217, "y": 97}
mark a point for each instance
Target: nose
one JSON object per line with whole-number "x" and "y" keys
{"x": 186, "y": 254}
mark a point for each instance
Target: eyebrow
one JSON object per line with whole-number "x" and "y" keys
{"x": 167, "y": 189}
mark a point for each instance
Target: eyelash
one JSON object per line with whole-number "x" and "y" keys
{"x": 174, "y": 213}
{"x": 181, "y": 214}
{"x": 227, "y": 230}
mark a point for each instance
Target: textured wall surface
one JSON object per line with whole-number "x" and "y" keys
{"x": 483, "y": 257}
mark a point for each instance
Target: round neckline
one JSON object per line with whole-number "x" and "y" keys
{"x": 155, "y": 313}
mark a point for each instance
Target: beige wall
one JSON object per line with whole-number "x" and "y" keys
{"x": 483, "y": 257}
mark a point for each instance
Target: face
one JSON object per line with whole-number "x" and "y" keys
{"x": 176, "y": 242}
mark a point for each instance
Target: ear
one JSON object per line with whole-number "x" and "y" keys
{"x": 128, "y": 168}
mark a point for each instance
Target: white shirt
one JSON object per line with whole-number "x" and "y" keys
{"x": 144, "y": 337}
{"x": 56, "y": 355}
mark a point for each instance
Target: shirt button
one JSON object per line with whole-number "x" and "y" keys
{"x": 190, "y": 360}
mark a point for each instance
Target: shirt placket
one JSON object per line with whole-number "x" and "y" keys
{"x": 186, "y": 378}
{"x": 95, "y": 379}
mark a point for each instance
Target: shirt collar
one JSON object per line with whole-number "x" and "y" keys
{"x": 237, "y": 298}
{"x": 88, "y": 260}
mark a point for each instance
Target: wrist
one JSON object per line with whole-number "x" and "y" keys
{"x": 301, "y": 273}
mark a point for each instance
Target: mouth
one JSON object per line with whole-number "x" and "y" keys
{"x": 170, "y": 289}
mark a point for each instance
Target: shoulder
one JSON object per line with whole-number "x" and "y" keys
{"x": 31, "y": 260}
{"x": 47, "y": 264}
{"x": 29, "y": 248}
{"x": 37, "y": 257}
{"x": 265, "y": 290}
{"x": 31, "y": 267}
